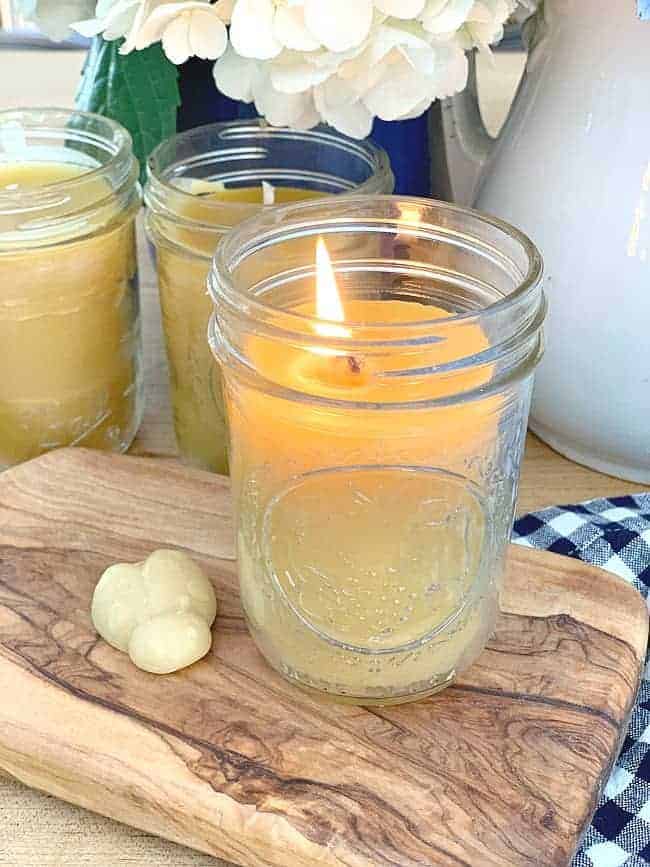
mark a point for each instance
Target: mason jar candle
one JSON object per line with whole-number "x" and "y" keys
{"x": 70, "y": 371}
{"x": 378, "y": 355}
{"x": 200, "y": 184}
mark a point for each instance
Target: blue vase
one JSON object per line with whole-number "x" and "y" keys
{"x": 407, "y": 142}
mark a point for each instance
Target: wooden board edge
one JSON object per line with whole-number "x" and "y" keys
{"x": 107, "y": 741}
{"x": 549, "y": 578}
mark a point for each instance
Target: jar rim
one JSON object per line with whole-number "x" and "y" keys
{"x": 497, "y": 278}
{"x": 278, "y": 219}
{"x": 117, "y": 136}
{"x": 158, "y": 183}
{"x": 68, "y": 208}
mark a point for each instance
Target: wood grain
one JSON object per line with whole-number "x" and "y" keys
{"x": 501, "y": 769}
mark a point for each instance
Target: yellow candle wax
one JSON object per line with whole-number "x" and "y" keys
{"x": 346, "y": 548}
{"x": 69, "y": 333}
{"x": 183, "y": 259}
{"x": 378, "y": 412}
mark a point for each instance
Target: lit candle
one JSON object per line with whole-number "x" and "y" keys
{"x": 69, "y": 336}
{"x": 371, "y": 521}
{"x": 202, "y": 183}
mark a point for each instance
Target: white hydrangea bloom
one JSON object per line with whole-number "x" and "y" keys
{"x": 339, "y": 24}
{"x": 187, "y": 29}
{"x": 441, "y": 17}
{"x": 395, "y": 63}
{"x": 54, "y": 17}
{"x": 484, "y": 26}
{"x": 349, "y": 61}
{"x": 235, "y": 75}
{"x": 252, "y": 30}
{"x": 344, "y": 62}
{"x": 401, "y": 8}
{"x": 113, "y": 19}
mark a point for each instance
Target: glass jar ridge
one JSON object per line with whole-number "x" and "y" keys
{"x": 200, "y": 184}
{"x": 105, "y": 191}
{"x": 375, "y": 458}
{"x": 69, "y": 315}
{"x": 245, "y": 278}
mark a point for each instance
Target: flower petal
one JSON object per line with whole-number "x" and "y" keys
{"x": 208, "y": 34}
{"x": 142, "y": 11}
{"x": 153, "y": 26}
{"x": 291, "y": 72}
{"x": 398, "y": 92}
{"x": 445, "y": 17}
{"x": 339, "y": 24}
{"x": 353, "y": 119}
{"x": 251, "y": 29}
{"x": 234, "y": 75}
{"x": 176, "y": 39}
{"x": 339, "y": 108}
{"x": 224, "y": 8}
{"x": 281, "y": 109}
{"x": 401, "y": 8}
{"x": 418, "y": 109}
{"x": 290, "y": 29}
{"x": 113, "y": 19}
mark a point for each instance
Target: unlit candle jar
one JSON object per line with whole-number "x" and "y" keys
{"x": 69, "y": 315}
{"x": 378, "y": 409}
{"x": 201, "y": 183}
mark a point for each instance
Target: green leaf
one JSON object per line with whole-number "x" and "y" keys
{"x": 139, "y": 90}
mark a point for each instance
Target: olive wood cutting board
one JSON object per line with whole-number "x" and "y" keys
{"x": 503, "y": 768}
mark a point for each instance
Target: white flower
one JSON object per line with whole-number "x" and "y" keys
{"x": 340, "y": 106}
{"x": 143, "y": 10}
{"x": 234, "y": 75}
{"x": 296, "y": 110}
{"x": 54, "y": 17}
{"x": 401, "y": 8}
{"x": 344, "y": 62}
{"x": 445, "y": 16}
{"x": 339, "y": 24}
{"x": 290, "y": 29}
{"x": 485, "y": 22}
{"x": 187, "y": 29}
{"x": 348, "y": 61}
{"x": 113, "y": 19}
{"x": 261, "y": 29}
{"x": 252, "y": 29}
{"x": 250, "y": 81}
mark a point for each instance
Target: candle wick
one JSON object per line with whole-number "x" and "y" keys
{"x": 354, "y": 364}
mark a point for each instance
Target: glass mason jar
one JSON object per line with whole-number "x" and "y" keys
{"x": 200, "y": 184}
{"x": 375, "y": 457}
{"x": 70, "y": 370}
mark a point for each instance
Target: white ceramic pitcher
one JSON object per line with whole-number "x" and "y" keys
{"x": 572, "y": 169}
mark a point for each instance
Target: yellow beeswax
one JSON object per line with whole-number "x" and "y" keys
{"x": 183, "y": 265}
{"x": 68, "y": 323}
{"x": 376, "y": 552}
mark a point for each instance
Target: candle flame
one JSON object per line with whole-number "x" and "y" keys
{"x": 328, "y": 299}
{"x": 410, "y": 214}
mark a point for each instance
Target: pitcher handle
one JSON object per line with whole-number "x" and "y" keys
{"x": 457, "y": 165}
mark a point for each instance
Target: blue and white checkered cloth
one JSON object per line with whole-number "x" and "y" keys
{"x": 615, "y": 535}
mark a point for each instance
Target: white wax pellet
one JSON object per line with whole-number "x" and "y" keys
{"x": 174, "y": 582}
{"x": 134, "y": 603}
{"x": 169, "y": 642}
{"x": 119, "y": 603}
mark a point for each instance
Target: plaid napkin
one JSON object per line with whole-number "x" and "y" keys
{"x": 615, "y": 535}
